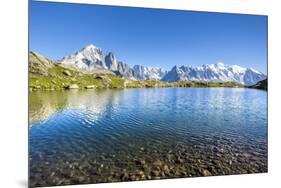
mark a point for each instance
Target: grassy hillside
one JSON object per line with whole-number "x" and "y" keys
{"x": 44, "y": 76}
{"x": 47, "y": 75}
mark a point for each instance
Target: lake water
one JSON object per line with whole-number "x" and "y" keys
{"x": 136, "y": 134}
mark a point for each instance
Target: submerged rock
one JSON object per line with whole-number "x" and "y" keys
{"x": 144, "y": 167}
{"x": 179, "y": 160}
{"x": 140, "y": 162}
{"x": 124, "y": 176}
{"x": 155, "y": 173}
{"x": 157, "y": 163}
{"x": 165, "y": 168}
{"x": 141, "y": 174}
{"x": 206, "y": 173}
{"x": 132, "y": 177}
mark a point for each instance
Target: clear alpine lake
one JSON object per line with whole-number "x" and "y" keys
{"x": 109, "y": 135}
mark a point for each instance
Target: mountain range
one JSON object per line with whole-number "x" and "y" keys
{"x": 93, "y": 59}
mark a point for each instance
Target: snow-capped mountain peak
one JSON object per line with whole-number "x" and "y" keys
{"x": 237, "y": 69}
{"x": 92, "y": 53}
{"x": 89, "y": 58}
{"x": 90, "y": 47}
{"x": 218, "y": 72}
{"x": 148, "y": 73}
{"x": 92, "y": 58}
{"x": 256, "y": 71}
{"x": 220, "y": 65}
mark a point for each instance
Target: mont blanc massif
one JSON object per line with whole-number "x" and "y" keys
{"x": 92, "y": 59}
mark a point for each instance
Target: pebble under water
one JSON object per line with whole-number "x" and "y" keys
{"x": 81, "y": 137}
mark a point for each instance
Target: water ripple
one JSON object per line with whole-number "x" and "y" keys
{"x": 95, "y": 133}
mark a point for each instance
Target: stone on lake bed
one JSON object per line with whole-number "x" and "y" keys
{"x": 132, "y": 177}
{"x": 140, "y": 162}
{"x": 169, "y": 157}
{"x": 179, "y": 160}
{"x": 157, "y": 163}
{"x": 183, "y": 173}
{"x": 165, "y": 168}
{"x": 124, "y": 176}
{"x": 52, "y": 174}
{"x": 156, "y": 178}
{"x": 155, "y": 173}
{"x": 140, "y": 173}
{"x": 206, "y": 173}
{"x": 144, "y": 167}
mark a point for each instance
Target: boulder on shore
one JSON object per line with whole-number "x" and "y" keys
{"x": 73, "y": 86}
{"x": 66, "y": 72}
{"x": 90, "y": 87}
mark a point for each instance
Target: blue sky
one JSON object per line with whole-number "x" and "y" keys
{"x": 151, "y": 37}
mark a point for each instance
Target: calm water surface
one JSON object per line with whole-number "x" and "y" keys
{"x": 135, "y": 134}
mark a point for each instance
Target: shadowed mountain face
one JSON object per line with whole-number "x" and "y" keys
{"x": 39, "y": 64}
{"x": 93, "y": 60}
{"x": 260, "y": 85}
{"x": 118, "y": 67}
{"x": 111, "y": 62}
